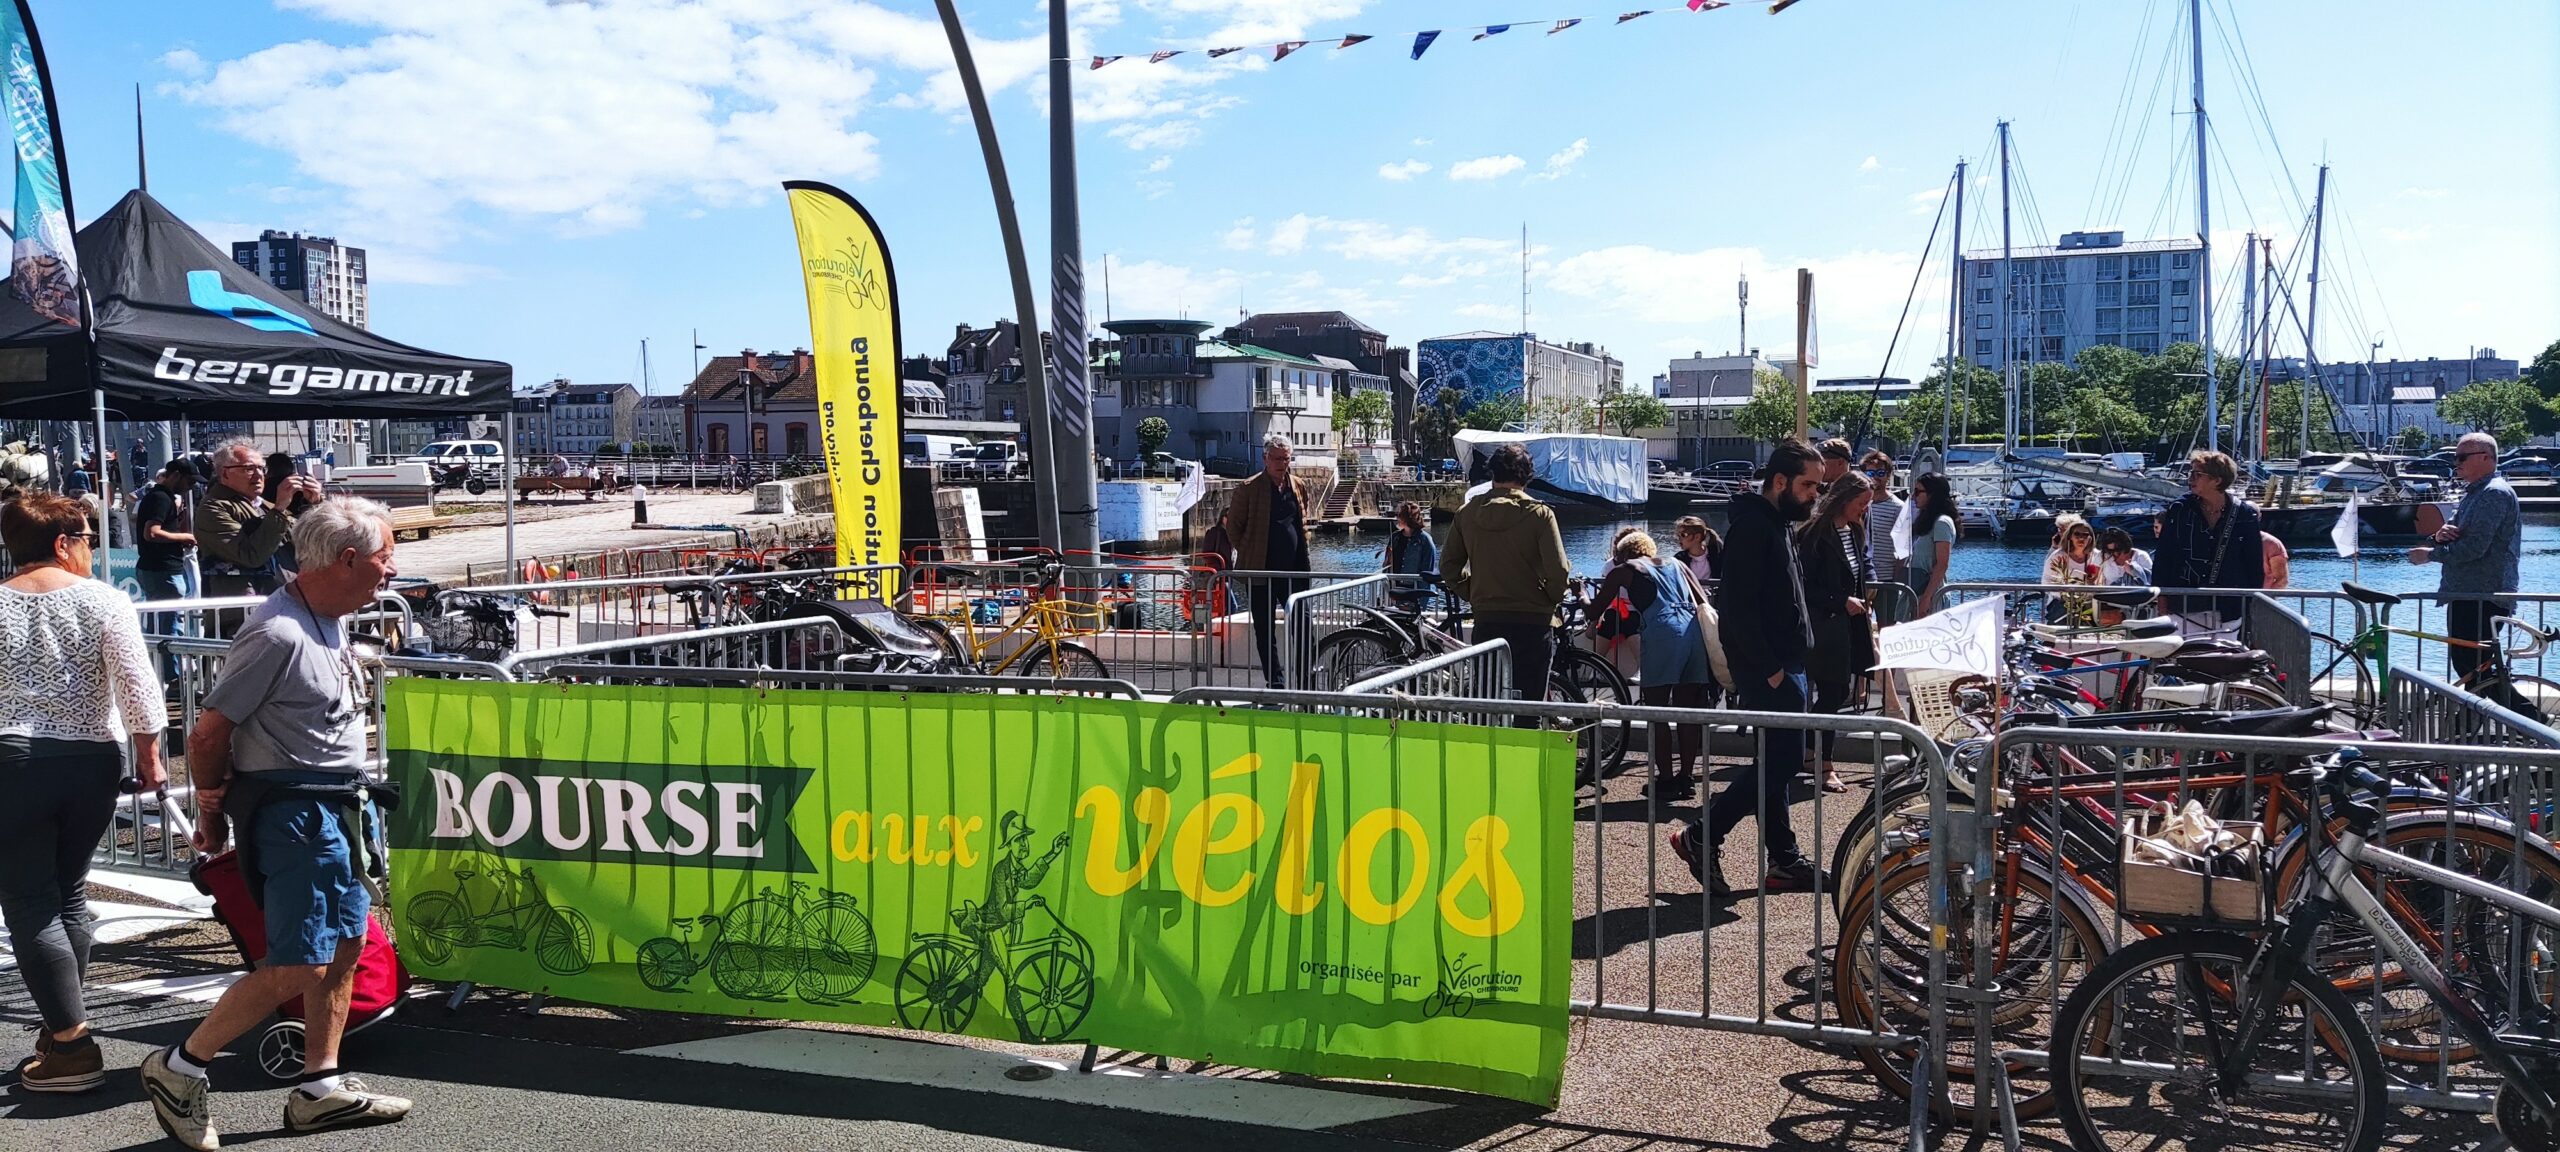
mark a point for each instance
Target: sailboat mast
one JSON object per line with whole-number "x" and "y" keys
{"x": 2240, "y": 438}
{"x": 2311, "y": 318}
{"x": 1955, "y": 319}
{"x": 2204, "y": 236}
{"x": 2008, "y": 311}
{"x": 2267, "y": 351}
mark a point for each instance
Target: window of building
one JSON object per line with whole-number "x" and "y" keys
{"x": 1982, "y": 348}
{"x": 2181, "y": 314}
{"x": 795, "y": 439}
{"x": 2145, "y": 267}
{"x": 2143, "y": 342}
{"x": 2148, "y": 293}
{"x": 2050, "y": 348}
{"x": 1982, "y": 320}
{"x": 2049, "y": 296}
{"x": 2109, "y": 339}
{"x": 2110, "y": 319}
{"x": 2140, "y": 319}
{"x": 2110, "y": 295}
{"x": 2049, "y": 323}
{"x": 2110, "y": 267}
{"x": 2180, "y": 287}
{"x": 2052, "y": 271}
{"x": 1981, "y": 295}
{"x": 2180, "y": 259}
{"x": 717, "y": 436}
{"x": 1982, "y": 271}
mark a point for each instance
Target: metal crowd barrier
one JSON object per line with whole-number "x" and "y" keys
{"x": 1652, "y": 946}
{"x": 2302, "y": 629}
{"x": 1479, "y": 671}
{"x": 1316, "y": 613}
{"x": 2424, "y": 708}
{"x": 2480, "y": 810}
{"x": 2431, "y": 612}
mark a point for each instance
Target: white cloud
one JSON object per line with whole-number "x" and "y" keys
{"x": 1403, "y": 170}
{"x": 1870, "y": 164}
{"x": 1486, "y": 168}
{"x": 1421, "y": 141}
{"x": 1560, "y": 164}
{"x": 1289, "y": 237}
{"x": 184, "y": 62}
{"x": 1154, "y": 288}
{"x": 1160, "y": 163}
{"x": 1239, "y": 237}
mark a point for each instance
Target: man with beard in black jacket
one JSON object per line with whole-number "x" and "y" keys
{"x": 1766, "y": 631}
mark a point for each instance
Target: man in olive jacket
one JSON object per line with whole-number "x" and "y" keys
{"x": 1268, "y": 519}
{"x": 1506, "y": 559}
{"x": 238, "y": 533}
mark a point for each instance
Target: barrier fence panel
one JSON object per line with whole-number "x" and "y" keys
{"x": 2305, "y": 628}
{"x": 1315, "y": 614}
{"x": 2051, "y": 872}
{"x": 2422, "y": 707}
{"x": 1479, "y": 671}
{"x": 1847, "y": 962}
{"x": 2279, "y": 631}
{"x": 2537, "y": 676}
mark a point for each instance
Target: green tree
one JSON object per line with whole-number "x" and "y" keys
{"x": 1771, "y": 412}
{"x": 2044, "y": 390}
{"x": 2544, "y": 373}
{"x": 2506, "y": 409}
{"x": 1632, "y": 412}
{"x": 1153, "y": 432}
{"x": 1435, "y": 424}
{"x": 1557, "y": 414}
{"x": 1845, "y": 414}
{"x": 1363, "y": 410}
{"x": 2095, "y": 414}
{"x": 1977, "y": 406}
{"x": 2413, "y": 440}
{"x": 1492, "y": 415}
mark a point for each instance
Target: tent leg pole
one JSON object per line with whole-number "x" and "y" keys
{"x": 105, "y": 483}
{"x": 507, "y": 490}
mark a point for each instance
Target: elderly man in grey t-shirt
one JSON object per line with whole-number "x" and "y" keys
{"x": 284, "y": 724}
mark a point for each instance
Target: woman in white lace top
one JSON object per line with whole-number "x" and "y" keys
{"x": 75, "y": 687}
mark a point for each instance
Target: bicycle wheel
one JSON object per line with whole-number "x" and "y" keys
{"x": 842, "y": 950}
{"x": 2531, "y": 697}
{"x": 2365, "y": 699}
{"x": 563, "y": 942}
{"x": 2045, "y": 944}
{"x": 1599, "y": 683}
{"x": 936, "y": 990}
{"x": 1352, "y": 655}
{"x": 758, "y": 955}
{"x": 2470, "y": 939}
{"x": 2131, "y": 1063}
{"x": 1062, "y": 661}
{"x": 1048, "y": 993}
{"x": 665, "y": 964}
{"x": 1902, "y": 811}
{"x": 434, "y": 926}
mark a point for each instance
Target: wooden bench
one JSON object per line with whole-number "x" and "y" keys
{"x": 416, "y": 523}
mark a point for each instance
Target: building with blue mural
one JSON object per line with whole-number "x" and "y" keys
{"x": 1484, "y": 366}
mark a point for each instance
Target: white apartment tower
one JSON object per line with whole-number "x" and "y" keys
{"x": 327, "y": 275}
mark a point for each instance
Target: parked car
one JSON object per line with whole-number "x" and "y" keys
{"x": 480, "y": 456}
{"x": 999, "y": 460}
{"x": 1161, "y": 466}
{"x": 1730, "y": 470}
{"x": 925, "y": 448}
{"x": 2427, "y": 466}
{"x": 1657, "y": 468}
{"x": 2526, "y": 468}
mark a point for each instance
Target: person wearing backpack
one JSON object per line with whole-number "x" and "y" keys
{"x": 1668, "y": 601}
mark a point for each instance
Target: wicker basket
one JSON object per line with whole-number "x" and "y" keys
{"x": 1934, "y": 704}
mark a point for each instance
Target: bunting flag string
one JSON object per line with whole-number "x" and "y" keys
{"x": 1422, "y": 40}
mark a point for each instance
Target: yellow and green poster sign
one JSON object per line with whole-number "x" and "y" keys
{"x": 1330, "y": 895}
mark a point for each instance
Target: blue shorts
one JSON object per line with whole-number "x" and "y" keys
{"x": 316, "y": 900}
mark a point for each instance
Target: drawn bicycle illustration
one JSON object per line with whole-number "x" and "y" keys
{"x": 517, "y": 916}
{"x": 1452, "y": 996}
{"x": 818, "y": 944}
{"x": 1046, "y": 967}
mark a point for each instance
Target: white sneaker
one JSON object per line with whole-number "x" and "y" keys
{"x": 347, "y": 1106}
{"x": 178, "y": 1101}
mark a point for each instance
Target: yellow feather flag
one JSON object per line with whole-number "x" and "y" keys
{"x": 853, "y": 328}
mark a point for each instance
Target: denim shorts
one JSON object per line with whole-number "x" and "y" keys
{"x": 316, "y": 900}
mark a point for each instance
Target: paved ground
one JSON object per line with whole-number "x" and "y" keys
{"x": 571, "y": 526}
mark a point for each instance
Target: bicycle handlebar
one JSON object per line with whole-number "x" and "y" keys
{"x": 2537, "y": 639}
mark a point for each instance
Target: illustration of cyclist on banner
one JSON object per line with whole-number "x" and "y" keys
{"x": 1048, "y": 977}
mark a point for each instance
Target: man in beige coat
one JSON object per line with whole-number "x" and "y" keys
{"x": 1268, "y": 519}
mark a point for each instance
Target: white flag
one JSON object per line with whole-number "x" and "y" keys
{"x": 2343, "y": 533}
{"x": 1965, "y": 638}
{"x": 1902, "y": 525}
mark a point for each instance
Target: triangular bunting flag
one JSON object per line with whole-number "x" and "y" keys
{"x": 1623, "y": 17}
{"x": 1214, "y": 53}
{"x": 1348, "y": 41}
{"x": 1707, "y": 5}
{"x": 1161, "y": 57}
{"x": 1099, "y": 61}
{"x": 1280, "y": 52}
{"x": 1493, "y": 30}
{"x": 1561, "y": 25}
{"x": 1422, "y": 42}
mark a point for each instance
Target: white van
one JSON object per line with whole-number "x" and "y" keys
{"x": 925, "y": 448}
{"x": 480, "y": 455}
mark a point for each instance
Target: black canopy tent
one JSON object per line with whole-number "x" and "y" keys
{"x": 181, "y": 331}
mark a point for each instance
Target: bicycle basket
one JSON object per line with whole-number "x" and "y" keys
{"x": 1935, "y": 707}
{"x": 2164, "y": 882}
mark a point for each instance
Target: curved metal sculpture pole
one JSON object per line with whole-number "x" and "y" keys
{"x": 1071, "y": 398}
{"x": 1044, "y": 472}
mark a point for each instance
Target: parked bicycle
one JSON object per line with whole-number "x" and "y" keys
{"x": 517, "y": 916}
{"x": 1036, "y": 635}
{"x": 817, "y": 944}
{"x": 2367, "y": 658}
{"x": 482, "y": 626}
{"x": 2216, "y": 1039}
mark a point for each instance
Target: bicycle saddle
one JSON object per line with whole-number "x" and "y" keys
{"x": 2150, "y": 647}
{"x": 465, "y": 873}
{"x": 682, "y": 922}
{"x": 2219, "y": 667}
{"x": 2367, "y": 596}
{"x": 2178, "y": 695}
{"x": 882, "y": 626}
{"x": 2273, "y": 722}
{"x": 688, "y": 587}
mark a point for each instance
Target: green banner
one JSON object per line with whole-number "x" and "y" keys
{"x": 1321, "y": 894}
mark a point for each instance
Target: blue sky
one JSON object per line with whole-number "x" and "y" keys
{"x": 550, "y": 182}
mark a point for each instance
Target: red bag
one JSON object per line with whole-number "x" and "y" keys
{"x": 379, "y": 977}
